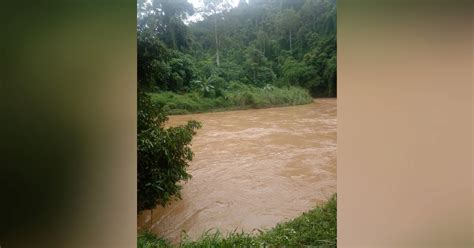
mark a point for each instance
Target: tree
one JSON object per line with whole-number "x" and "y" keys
{"x": 258, "y": 68}
{"x": 288, "y": 21}
{"x": 215, "y": 10}
{"x": 295, "y": 39}
{"x": 297, "y": 73}
{"x": 152, "y": 57}
{"x": 163, "y": 155}
{"x": 205, "y": 86}
{"x": 164, "y": 18}
{"x": 182, "y": 72}
{"x": 322, "y": 60}
{"x": 174, "y": 12}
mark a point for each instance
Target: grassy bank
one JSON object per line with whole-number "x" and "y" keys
{"x": 242, "y": 98}
{"x": 316, "y": 228}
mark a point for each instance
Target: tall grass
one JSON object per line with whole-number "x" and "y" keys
{"x": 242, "y": 98}
{"x": 315, "y": 228}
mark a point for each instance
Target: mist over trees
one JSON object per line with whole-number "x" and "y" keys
{"x": 259, "y": 43}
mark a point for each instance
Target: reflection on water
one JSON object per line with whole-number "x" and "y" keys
{"x": 253, "y": 169}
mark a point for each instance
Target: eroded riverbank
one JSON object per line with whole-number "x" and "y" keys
{"x": 253, "y": 169}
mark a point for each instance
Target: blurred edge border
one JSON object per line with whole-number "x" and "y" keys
{"x": 68, "y": 164}
{"x": 68, "y": 167}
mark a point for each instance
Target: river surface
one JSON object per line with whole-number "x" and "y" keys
{"x": 253, "y": 169}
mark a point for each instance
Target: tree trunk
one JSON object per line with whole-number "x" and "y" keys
{"x": 264, "y": 45}
{"x": 291, "y": 46}
{"x": 173, "y": 37}
{"x": 217, "y": 42}
{"x": 172, "y": 28}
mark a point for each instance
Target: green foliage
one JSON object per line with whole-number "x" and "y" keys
{"x": 323, "y": 59}
{"x": 205, "y": 87}
{"x": 231, "y": 71}
{"x": 149, "y": 240}
{"x": 164, "y": 18}
{"x": 182, "y": 72}
{"x": 257, "y": 68}
{"x": 297, "y": 73}
{"x": 161, "y": 67}
{"x": 234, "y": 96}
{"x": 262, "y": 35}
{"x": 259, "y": 54}
{"x": 163, "y": 155}
{"x": 287, "y": 42}
{"x": 315, "y": 228}
{"x": 152, "y": 58}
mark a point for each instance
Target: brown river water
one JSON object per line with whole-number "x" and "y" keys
{"x": 252, "y": 169}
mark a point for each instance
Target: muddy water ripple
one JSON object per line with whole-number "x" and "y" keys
{"x": 253, "y": 169}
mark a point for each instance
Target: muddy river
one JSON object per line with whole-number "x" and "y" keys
{"x": 253, "y": 169}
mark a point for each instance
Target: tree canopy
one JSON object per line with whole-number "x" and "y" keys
{"x": 259, "y": 42}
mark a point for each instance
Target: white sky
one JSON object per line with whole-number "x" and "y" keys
{"x": 199, "y": 3}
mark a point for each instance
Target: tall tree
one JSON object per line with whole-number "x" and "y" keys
{"x": 295, "y": 39}
{"x": 288, "y": 20}
{"x": 215, "y": 9}
{"x": 164, "y": 18}
{"x": 174, "y": 13}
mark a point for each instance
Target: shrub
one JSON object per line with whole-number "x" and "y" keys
{"x": 163, "y": 155}
{"x": 235, "y": 96}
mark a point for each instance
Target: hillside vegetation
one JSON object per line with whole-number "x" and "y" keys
{"x": 279, "y": 44}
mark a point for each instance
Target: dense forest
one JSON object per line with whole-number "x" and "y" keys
{"x": 260, "y": 44}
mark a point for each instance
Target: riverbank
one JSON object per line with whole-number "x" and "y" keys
{"x": 282, "y": 159}
{"x": 317, "y": 227}
{"x": 236, "y": 99}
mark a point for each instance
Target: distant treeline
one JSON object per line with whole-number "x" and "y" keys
{"x": 260, "y": 43}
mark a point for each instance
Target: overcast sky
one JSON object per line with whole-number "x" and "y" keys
{"x": 199, "y": 3}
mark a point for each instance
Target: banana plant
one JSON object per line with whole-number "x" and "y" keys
{"x": 204, "y": 86}
{"x": 268, "y": 87}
